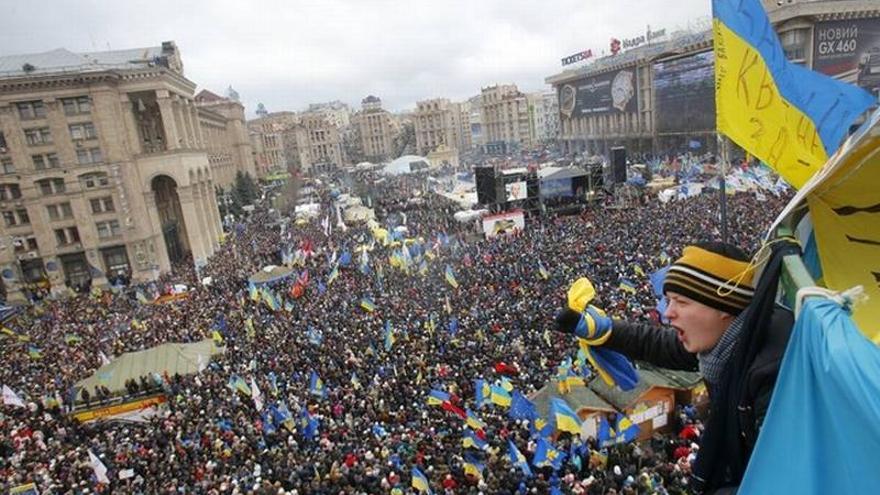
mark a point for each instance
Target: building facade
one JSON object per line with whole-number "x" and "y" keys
{"x": 546, "y": 117}
{"x": 105, "y": 169}
{"x": 267, "y": 141}
{"x": 376, "y": 129}
{"x": 317, "y": 144}
{"x": 508, "y": 123}
{"x": 441, "y": 122}
{"x": 660, "y": 98}
{"x": 226, "y": 137}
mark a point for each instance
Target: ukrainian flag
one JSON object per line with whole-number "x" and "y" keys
{"x": 389, "y": 336}
{"x": 605, "y": 434}
{"x": 473, "y": 421}
{"x": 420, "y": 481}
{"x": 237, "y": 383}
{"x": 217, "y": 338}
{"x": 316, "y": 385}
{"x": 505, "y": 384}
{"x": 638, "y": 270}
{"x": 253, "y": 292}
{"x": 367, "y": 305}
{"x": 565, "y": 418}
{"x": 450, "y": 277}
{"x": 471, "y": 440}
{"x": 334, "y": 274}
{"x": 627, "y": 431}
{"x": 437, "y": 397}
{"x": 500, "y": 396}
{"x": 472, "y": 467}
{"x": 34, "y": 352}
{"x": 786, "y": 115}
{"x": 482, "y": 391}
{"x": 627, "y": 286}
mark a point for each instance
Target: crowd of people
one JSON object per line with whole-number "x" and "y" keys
{"x": 369, "y": 424}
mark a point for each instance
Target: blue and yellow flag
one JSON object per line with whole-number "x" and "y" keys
{"x": 389, "y": 336}
{"x": 482, "y": 392}
{"x": 546, "y": 455}
{"x": 517, "y": 459}
{"x": 471, "y": 440}
{"x": 473, "y": 421}
{"x": 627, "y": 286}
{"x": 34, "y": 352}
{"x": 627, "y": 431}
{"x": 564, "y": 417}
{"x": 334, "y": 274}
{"x": 500, "y": 396}
{"x": 420, "y": 481}
{"x": 787, "y": 116}
{"x": 450, "y": 277}
{"x": 238, "y": 384}
{"x": 437, "y": 397}
{"x": 316, "y": 386}
{"x": 367, "y": 305}
{"x": 473, "y": 467}
{"x": 253, "y": 292}
{"x": 828, "y": 363}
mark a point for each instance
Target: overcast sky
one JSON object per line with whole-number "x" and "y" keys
{"x": 288, "y": 54}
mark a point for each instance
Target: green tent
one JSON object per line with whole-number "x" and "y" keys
{"x": 183, "y": 359}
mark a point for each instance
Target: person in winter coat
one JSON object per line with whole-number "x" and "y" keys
{"x": 708, "y": 291}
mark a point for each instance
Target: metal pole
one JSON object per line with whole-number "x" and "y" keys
{"x": 722, "y": 170}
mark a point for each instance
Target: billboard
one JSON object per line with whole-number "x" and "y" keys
{"x": 684, "y": 94}
{"x": 849, "y": 47}
{"x": 612, "y": 92}
{"x": 555, "y": 188}
{"x": 516, "y": 191}
{"x": 503, "y": 223}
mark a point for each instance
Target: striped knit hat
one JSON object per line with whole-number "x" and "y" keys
{"x": 715, "y": 274}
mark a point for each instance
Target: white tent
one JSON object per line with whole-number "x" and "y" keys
{"x": 405, "y": 165}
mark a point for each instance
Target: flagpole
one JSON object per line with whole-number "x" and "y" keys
{"x": 722, "y": 170}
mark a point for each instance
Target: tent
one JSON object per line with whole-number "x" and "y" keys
{"x": 170, "y": 359}
{"x": 406, "y": 164}
{"x": 271, "y": 274}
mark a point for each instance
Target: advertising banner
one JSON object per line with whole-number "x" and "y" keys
{"x": 555, "y": 188}
{"x": 684, "y": 94}
{"x": 842, "y": 48}
{"x": 612, "y": 92}
{"x": 503, "y": 223}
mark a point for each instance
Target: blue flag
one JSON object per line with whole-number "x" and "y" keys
{"x": 830, "y": 381}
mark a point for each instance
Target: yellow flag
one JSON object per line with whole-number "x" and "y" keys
{"x": 845, "y": 208}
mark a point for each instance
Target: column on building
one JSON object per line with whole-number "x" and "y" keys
{"x": 194, "y": 228}
{"x": 169, "y": 120}
{"x": 200, "y": 138}
{"x": 205, "y": 203}
{"x": 202, "y": 213}
{"x": 132, "y": 136}
{"x": 213, "y": 213}
{"x": 157, "y": 236}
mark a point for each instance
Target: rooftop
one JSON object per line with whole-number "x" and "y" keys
{"x": 62, "y": 60}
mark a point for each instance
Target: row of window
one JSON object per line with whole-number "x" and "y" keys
{"x": 58, "y": 211}
{"x": 55, "y": 185}
{"x": 70, "y": 235}
{"x": 36, "y": 109}
{"x": 39, "y": 136}
{"x": 46, "y": 161}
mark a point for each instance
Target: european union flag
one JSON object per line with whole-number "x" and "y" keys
{"x": 521, "y": 407}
